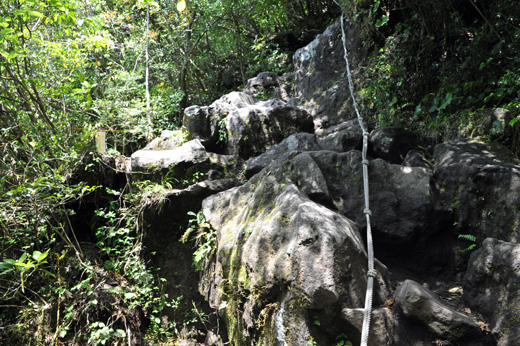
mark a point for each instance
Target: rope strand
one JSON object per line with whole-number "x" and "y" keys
{"x": 371, "y": 273}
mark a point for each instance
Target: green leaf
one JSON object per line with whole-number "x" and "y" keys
{"x": 5, "y": 32}
{"x": 446, "y": 102}
{"x": 38, "y": 256}
{"x": 382, "y": 21}
{"x": 181, "y": 5}
{"x": 34, "y": 13}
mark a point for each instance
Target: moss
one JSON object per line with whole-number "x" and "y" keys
{"x": 243, "y": 278}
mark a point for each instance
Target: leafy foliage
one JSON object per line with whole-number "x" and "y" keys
{"x": 431, "y": 60}
{"x": 205, "y": 238}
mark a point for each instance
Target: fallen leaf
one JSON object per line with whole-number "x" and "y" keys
{"x": 456, "y": 290}
{"x": 389, "y": 304}
{"x": 483, "y": 326}
{"x": 468, "y": 311}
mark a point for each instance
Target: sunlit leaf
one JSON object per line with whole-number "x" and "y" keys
{"x": 181, "y": 5}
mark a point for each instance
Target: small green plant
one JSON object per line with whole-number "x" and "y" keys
{"x": 101, "y": 333}
{"x": 25, "y": 265}
{"x": 342, "y": 340}
{"x": 205, "y": 238}
{"x": 222, "y": 132}
{"x": 471, "y": 238}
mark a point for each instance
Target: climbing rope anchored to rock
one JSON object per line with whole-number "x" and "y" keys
{"x": 370, "y": 248}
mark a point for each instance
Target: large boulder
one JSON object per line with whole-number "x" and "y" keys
{"x": 400, "y": 197}
{"x": 168, "y": 140}
{"x": 342, "y": 137}
{"x": 424, "y": 307}
{"x": 492, "y": 287}
{"x": 264, "y": 83}
{"x": 392, "y": 144}
{"x": 206, "y": 123}
{"x": 283, "y": 263}
{"x": 182, "y": 166}
{"x": 236, "y": 125}
{"x": 252, "y": 130}
{"x": 292, "y": 145}
{"x": 480, "y": 185}
{"x": 321, "y": 86}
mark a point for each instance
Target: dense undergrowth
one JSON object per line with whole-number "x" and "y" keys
{"x": 436, "y": 67}
{"x": 439, "y": 68}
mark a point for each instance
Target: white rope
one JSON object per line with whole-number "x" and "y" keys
{"x": 370, "y": 248}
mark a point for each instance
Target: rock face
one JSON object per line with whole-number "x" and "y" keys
{"x": 492, "y": 285}
{"x": 181, "y": 166}
{"x": 321, "y": 87}
{"x": 422, "y": 305}
{"x": 236, "y": 125}
{"x": 253, "y": 130}
{"x": 342, "y": 137}
{"x": 403, "y": 204}
{"x": 292, "y": 145}
{"x": 480, "y": 186}
{"x": 392, "y": 144}
{"x": 289, "y": 263}
{"x": 281, "y": 259}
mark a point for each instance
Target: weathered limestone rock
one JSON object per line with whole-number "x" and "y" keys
{"x": 281, "y": 258}
{"x": 236, "y": 125}
{"x": 205, "y": 123}
{"x": 290, "y": 146}
{"x": 342, "y": 137}
{"x": 401, "y": 200}
{"x": 480, "y": 185}
{"x": 392, "y": 144}
{"x": 253, "y": 130}
{"x": 168, "y": 140}
{"x": 425, "y": 307}
{"x": 382, "y": 325}
{"x": 320, "y": 75}
{"x": 416, "y": 158}
{"x": 492, "y": 287}
{"x": 182, "y": 166}
{"x": 264, "y": 82}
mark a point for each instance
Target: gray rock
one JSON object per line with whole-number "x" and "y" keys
{"x": 236, "y": 125}
{"x": 279, "y": 256}
{"x": 381, "y": 325}
{"x": 478, "y": 183}
{"x": 237, "y": 99}
{"x": 392, "y": 144}
{"x": 416, "y": 158}
{"x": 400, "y": 200}
{"x": 204, "y": 123}
{"x": 320, "y": 79}
{"x": 264, "y": 82}
{"x": 183, "y": 166}
{"x": 292, "y": 145}
{"x": 492, "y": 287}
{"x": 168, "y": 140}
{"x": 192, "y": 152}
{"x": 426, "y": 308}
{"x": 253, "y": 130}
{"x": 343, "y": 137}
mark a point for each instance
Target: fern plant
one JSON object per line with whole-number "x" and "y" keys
{"x": 205, "y": 238}
{"x": 471, "y": 238}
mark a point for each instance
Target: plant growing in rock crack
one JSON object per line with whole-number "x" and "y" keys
{"x": 222, "y": 133}
{"x": 205, "y": 238}
{"x": 471, "y": 238}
